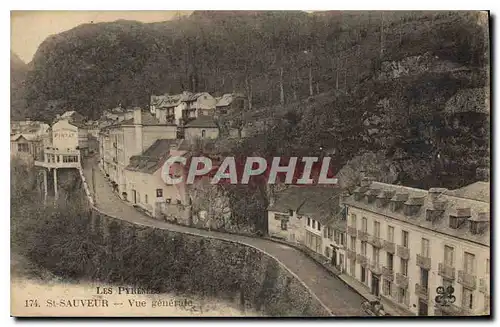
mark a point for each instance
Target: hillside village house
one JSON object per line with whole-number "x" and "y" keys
{"x": 203, "y": 127}
{"x": 27, "y": 147}
{"x": 185, "y": 106}
{"x": 230, "y": 101}
{"x": 167, "y": 108}
{"x": 27, "y": 139}
{"x": 119, "y": 142}
{"x": 145, "y": 185}
{"x": 310, "y": 216}
{"x": 198, "y": 104}
{"x": 404, "y": 243}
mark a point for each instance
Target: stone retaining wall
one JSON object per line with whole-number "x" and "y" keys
{"x": 196, "y": 265}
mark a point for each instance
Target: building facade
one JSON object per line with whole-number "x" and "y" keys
{"x": 203, "y": 127}
{"x": 407, "y": 245}
{"x": 119, "y": 142}
{"x": 312, "y": 217}
{"x": 146, "y": 186}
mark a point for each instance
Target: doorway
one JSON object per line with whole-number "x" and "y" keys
{"x": 134, "y": 196}
{"x": 375, "y": 285}
{"x": 334, "y": 257}
{"x": 423, "y": 309}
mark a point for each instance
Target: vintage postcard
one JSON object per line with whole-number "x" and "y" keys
{"x": 250, "y": 163}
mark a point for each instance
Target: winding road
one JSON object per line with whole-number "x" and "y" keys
{"x": 331, "y": 291}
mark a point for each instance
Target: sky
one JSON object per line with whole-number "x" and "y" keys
{"x": 30, "y": 28}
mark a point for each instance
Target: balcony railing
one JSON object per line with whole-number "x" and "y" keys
{"x": 403, "y": 252}
{"x": 351, "y": 254}
{"x": 388, "y": 273}
{"x": 466, "y": 279}
{"x": 421, "y": 291}
{"x": 363, "y": 261}
{"x": 446, "y": 271}
{"x": 423, "y": 262}
{"x": 363, "y": 236}
{"x": 390, "y": 247}
{"x": 401, "y": 280}
{"x": 376, "y": 242}
{"x": 352, "y": 231}
{"x": 483, "y": 285}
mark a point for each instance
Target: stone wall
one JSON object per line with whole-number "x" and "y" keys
{"x": 195, "y": 265}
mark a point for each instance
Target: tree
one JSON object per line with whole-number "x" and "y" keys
{"x": 371, "y": 164}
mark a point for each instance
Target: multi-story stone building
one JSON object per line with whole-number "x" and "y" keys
{"x": 310, "y": 216}
{"x": 119, "y": 142}
{"x": 146, "y": 186}
{"x": 406, "y": 245}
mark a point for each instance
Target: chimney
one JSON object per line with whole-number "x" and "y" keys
{"x": 480, "y": 223}
{"x": 138, "y": 130}
{"x": 137, "y": 116}
{"x": 372, "y": 193}
{"x": 435, "y": 193}
{"x": 384, "y": 197}
{"x": 397, "y": 200}
{"x": 459, "y": 217}
{"x": 413, "y": 205}
{"x": 359, "y": 192}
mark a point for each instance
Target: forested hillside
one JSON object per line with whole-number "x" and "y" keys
{"x": 18, "y": 72}
{"x": 396, "y": 85}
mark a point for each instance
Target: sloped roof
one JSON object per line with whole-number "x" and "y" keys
{"x": 188, "y": 97}
{"x": 318, "y": 202}
{"x": 469, "y": 100}
{"x": 225, "y": 100}
{"x": 27, "y": 137}
{"x": 202, "y": 122}
{"x": 166, "y": 100}
{"x": 155, "y": 156}
{"x": 479, "y": 191}
{"x": 72, "y": 116}
{"x": 453, "y": 202}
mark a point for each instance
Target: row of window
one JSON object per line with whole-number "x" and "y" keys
{"x": 469, "y": 258}
{"x": 312, "y": 223}
{"x": 334, "y": 235}
{"x": 376, "y": 230}
{"x": 23, "y": 147}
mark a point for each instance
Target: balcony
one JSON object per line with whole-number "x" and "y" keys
{"x": 422, "y": 291}
{"x": 352, "y": 231}
{"x": 483, "y": 285}
{"x": 446, "y": 271}
{"x": 363, "y": 236}
{"x": 390, "y": 247}
{"x": 466, "y": 279}
{"x": 55, "y": 158}
{"x": 388, "y": 273}
{"x": 403, "y": 252}
{"x": 401, "y": 280}
{"x": 375, "y": 268}
{"x": 423, "y": 262}
{"x": 351, "y": 254}
{"x": 363, "y": 261}
{"x": 376, "y": 242}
